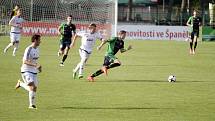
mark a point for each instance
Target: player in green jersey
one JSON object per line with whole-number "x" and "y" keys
{"x": 194, "y": 22}
{"x": 110, "y": 61}
{"x": 67, "y": 31}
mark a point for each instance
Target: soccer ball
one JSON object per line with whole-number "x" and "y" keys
{"x": 172, "y": 78}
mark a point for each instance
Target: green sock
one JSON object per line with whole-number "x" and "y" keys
{"x": 97, "y": 73}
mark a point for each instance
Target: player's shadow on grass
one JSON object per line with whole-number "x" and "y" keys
{"x": 133, "y": 80}
{"x": 114, "y": 108}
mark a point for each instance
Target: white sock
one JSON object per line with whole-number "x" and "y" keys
{"x": 81, "y": 65}
{"x": 32, "y": 96}
{"x": 15, "y": 48}
{"x": 25, "y": 86}
{"x": 81, "y": 68}
{"x": 77, "y": 68}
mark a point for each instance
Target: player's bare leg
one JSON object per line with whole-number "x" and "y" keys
{"x": 8, "y": 46}
{"x": 191, "y": 46}
{"x": 18, "y": 84}
{"x": 100, "y": 71}
{"x": 65, "y": 54}
{"x": 60, "y": 52}
{"x": 16, "y": 46}
{"x": 195, "y": 44}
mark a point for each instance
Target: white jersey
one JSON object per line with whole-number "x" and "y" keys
{"x": 31, "y": 54}
{"x": 88, "y": 40}
{"x": 15, "y": 23}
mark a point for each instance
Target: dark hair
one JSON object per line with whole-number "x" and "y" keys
{"x": 122, "y": 32}
{"x": 92, "y": 24}
{"x": 35, "y": 37}
{"x": 195, "y": 10}
{"x": 70, "y": 16}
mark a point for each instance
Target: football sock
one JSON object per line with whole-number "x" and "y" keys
{"x": 195, "y": 45}
{"x": 25, "y": 86}
{"x": 97, "y": 73}
{"x": 77, "y": 67}
{"x": 113, "y": 65}
{"x": 64, "y": 58}
{"x": 14, "y": 50}
{"x": 32, "y": 95}
{"x": 191, "y": 45}
{"x": 81, "y": 67}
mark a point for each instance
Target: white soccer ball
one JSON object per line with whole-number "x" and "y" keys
{"x": 172, "y": 78}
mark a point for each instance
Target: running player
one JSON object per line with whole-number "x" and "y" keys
{"x": 194, "y": 22}
{"x": 67, "y": 30}
{"x": 110, "y": 61}
{"x": 15, "y": 32}
{"x": 87, "y": 42}
{"x": 29, "y": 70}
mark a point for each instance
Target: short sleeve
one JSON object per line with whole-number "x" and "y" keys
{"x": 112, "y": 39}
{"x": 73, "y": 28}
{"x": 81, "y": 33}
{"x": 27, "y": 53}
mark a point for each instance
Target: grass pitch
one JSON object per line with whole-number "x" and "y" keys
{"x": 136, "y": 91}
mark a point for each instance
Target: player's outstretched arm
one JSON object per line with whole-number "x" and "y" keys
{"x": 73, "y": 40}
{"x": 188, "y": 22}
{"x": 124, "y": 50}
{"x": 102, "y": 44}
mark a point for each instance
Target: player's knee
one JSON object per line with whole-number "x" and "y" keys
{"x": 32, "y": 86}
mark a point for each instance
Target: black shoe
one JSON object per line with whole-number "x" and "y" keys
{"x": 32, "y": 107}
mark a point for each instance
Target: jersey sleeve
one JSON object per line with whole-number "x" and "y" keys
{"x": 189, "y": 20}
{"x": 81, "y": 33}
{"x": 61, "y": 25}
{"x": 73, "y": 28}
{"x": 27, "y": 54}
{"x": 12, "y": 21}
{"x": 111, "y": 39}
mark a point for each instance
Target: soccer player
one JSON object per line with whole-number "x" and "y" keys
{"x": 88, "y": 40}
{"x": 110, "y": 61}
{"x": 30, "y": 68}
{"x": 15, "y": 32}
{"x": 67, "y": 30}
{"x": 14, "y": 12}
{"x": 194, "y": 23}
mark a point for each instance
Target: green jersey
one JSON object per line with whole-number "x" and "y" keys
{"x": 195, "y": 22}
{"x": 66, "y": 31}
{"x": 114, "y": 45}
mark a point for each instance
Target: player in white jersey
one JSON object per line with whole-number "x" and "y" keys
{"x": 29, "y": 70}
{"x": 15, "y": 32}
{"x": 88, "y": 40}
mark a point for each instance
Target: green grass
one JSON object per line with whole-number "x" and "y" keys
{"x": 136, "y": 91}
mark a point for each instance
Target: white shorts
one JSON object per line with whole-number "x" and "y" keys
{"x": 84, "y": 54}
{"x": 15, "y": 37}
{"x": 30, "y": 77}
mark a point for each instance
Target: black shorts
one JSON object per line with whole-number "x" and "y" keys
{"x": 65, "y": 43}
{"x": 194, "y": 33}
{"x": 108, "y": 60}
